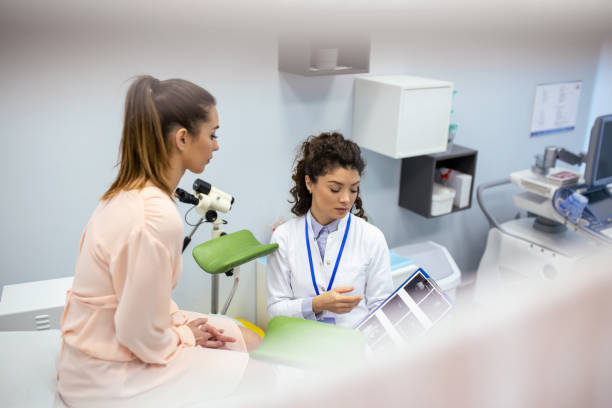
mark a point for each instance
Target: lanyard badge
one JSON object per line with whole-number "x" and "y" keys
{"x": 312, "y": 274}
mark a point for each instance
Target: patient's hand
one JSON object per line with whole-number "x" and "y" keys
{"x": 335, "y": 301}
{"x": 207, "y": 335}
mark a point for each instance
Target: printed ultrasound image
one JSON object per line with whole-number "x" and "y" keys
{"x": 434, "y": 306}
{"x": 372, "y": 329}
{"x": 410, "y": 327}
{"x": 418, "y": 288}
{"x": 395, "y": 309}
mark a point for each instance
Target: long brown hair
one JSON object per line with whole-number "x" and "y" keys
{"x": 154, "y": 108}
{"x": 317, "y": 156}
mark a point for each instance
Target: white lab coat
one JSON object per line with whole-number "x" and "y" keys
{"x": 365, "y": 265}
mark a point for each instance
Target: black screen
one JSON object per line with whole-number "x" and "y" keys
{"x": 604, "y": 168}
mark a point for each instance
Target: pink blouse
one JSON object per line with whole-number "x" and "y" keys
{"x": 119, "y": 309}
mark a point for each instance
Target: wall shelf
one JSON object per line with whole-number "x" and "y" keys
{"x": 296, "y": 55}
{"x": 418, "y": 173}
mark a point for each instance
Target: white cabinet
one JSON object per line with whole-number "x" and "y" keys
{"x": 401, "y": 116}
{"x": 33, "y": 305}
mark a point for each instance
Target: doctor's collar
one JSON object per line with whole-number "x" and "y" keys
{"x": 316, "y": 227}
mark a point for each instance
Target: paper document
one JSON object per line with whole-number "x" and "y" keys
{"x": 414, "y": 307}
{"x": 555, "y": 107}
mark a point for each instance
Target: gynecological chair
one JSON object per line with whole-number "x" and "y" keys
{"x": 291, "y": 341}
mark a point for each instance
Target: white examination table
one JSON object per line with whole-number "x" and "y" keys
{"x": 28, "y": 368}
{"x": 30, "y": 342}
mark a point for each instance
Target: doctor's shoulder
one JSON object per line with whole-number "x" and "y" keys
{"x": 288, "y": 229}
{"x": 369, "y": 232}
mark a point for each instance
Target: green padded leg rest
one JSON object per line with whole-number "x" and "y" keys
{"x": 225, "y": 253}
{"x": 307, "y": 343}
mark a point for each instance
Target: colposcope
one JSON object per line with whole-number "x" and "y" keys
{"x": 207, "y": 200}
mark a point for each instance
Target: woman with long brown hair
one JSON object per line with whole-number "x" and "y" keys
{"x": 125, "y": 342}
{"x": 331, "y": 265}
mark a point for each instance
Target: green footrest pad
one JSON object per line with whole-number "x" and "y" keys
{"x": 307, "y": 343}
{"x": 225, "y": 253}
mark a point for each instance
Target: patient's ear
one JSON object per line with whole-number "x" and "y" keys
{"x": 178, "y": 138}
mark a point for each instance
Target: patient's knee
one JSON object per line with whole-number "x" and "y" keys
{"x": 251, "y": 339}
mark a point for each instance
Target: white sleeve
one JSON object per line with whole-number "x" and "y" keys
{"x": 281, "y": 299}
{"x": 378, "y": 285}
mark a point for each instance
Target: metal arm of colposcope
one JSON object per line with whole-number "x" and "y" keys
{"x": 214, "y": 284}
{"x": 232, "y": 292}
{"x": 187, "y": 239}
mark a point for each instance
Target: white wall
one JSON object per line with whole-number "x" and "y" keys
{"x": 62, "y": 100}
{"x": 602, "y": 96}
{"x": 496, "y": 76}
{"x": 62, "y": 93}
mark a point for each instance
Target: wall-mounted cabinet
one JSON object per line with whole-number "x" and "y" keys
{"x": 418, "y": 177}
{"x": 401, "y": 116}
{"x": 304, "y": 55}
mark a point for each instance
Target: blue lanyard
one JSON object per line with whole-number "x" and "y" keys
{"x": 312, "y": 274}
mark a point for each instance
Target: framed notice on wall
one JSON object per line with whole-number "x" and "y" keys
{"x": 555, "y": 107}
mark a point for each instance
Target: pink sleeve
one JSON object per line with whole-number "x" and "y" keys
{"x": 143, "y": 316}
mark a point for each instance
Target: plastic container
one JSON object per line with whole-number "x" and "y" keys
{"x": 461, "y": 183}
{"x": 441, "y": 199}
{"x": 435, "y": 260}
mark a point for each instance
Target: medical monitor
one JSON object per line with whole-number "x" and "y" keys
{"x": 598, "y": 172}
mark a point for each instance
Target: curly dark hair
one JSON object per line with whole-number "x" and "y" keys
{"x": 317, "y": 156}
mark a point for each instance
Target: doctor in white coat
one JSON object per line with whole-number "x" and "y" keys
{"x": 331, "y": 265}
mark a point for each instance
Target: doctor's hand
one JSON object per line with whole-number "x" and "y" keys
{"x": 335, "y": 301}
{"x": 207, "y": 335}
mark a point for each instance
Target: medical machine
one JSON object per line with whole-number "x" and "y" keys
{"x": 224, "y": 253}
{"x": 566, "y": 222}
{"x": 598, "y": 174}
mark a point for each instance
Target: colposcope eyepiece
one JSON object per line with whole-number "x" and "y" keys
{"x": 184, "y": 197}
{"x": 201, "y": 186}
